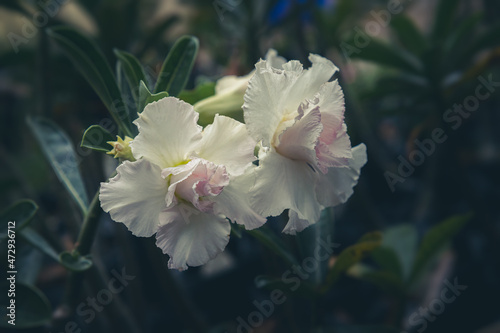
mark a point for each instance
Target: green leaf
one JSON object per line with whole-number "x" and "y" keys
{"x": 96, "y": 138}
{"x": 74, "y": 261}
{"x": 32, "y": 307}
{"x": 352, "y": 255}
{"x": 201, "y": 91}
{"x": 37, "y": 241}
{"x": 445, "y": 14}
{"x": 388, "y": 260}
{"x": 385, "y": 54}
{"x": 58, "y": 149}
{"x": 409, "y": 34}
{"x": 434, "y": 240}
{"x": 304, "y": 289}
{"x": 403, "y": 240}
{"x": 267, "y": 238}
{"x": 134, "y": 72}
{"x": 177, "y": 67}
{"x": 146, "y": 97}
{"x": 92, "y": 64}
{"x": 488, "y": 39}
{"x": 21, "y": 213}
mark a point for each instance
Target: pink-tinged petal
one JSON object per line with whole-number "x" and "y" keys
{"x": 135, "y": 196}
{"x": 234, "y": 201}
{"x": 265, "y": 100}
{"x": 337, "y": 185}
{"x": 337, "y": 153}
{"x": 298, "y": 142}
{"x": 167, "y": 132}
{"x": 196, "y": 182}
{"x": 282, "y": 183}
{"x": 190, "y": 237}
{"x": 227, "y": 142}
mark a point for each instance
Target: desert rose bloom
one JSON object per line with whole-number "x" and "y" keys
{"x": 184, "y": 183}
{"x": 229, "y": 92}
{"x": 306, "y": 162}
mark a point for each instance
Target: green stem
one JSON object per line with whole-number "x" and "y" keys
{"x": 89, "y": 227}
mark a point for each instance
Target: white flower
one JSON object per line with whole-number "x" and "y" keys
{"x": 229, "y": 92}
{"x": 185, "y": 182}
{"x": 306, "y": 162}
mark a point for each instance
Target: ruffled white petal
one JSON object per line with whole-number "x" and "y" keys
{"x": 282, "y": 183}
{"x": 234, "y": 201}
{"x": 295, "y": 224}
{"x": 227, "y": 142}
{"x": 190, "y": 237}
{"x": 274, "y": 59}
{"x": 167, "y": 132}
{"x": 338, "y": 184}
{"x": 135, "y": 196}
{"x": 265, "y": 100}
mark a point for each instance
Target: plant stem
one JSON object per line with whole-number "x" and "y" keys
{"x": 89, "y": 227}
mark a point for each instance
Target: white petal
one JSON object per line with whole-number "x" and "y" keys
{"x": 298, "y": 142}
{"x": 167, "y": 132}
{"x": 190, "y": 237}
{"x": 282, "y": 183}
{"x": 230, "y": 83}
{"x": 265, "y": 100}
{"x": 135, "y": 196}
{"x": 227, "y": 142}
{"x": 311, "y": 80}
{"x": 331, "y": 102}
{"x": 295, "y": 224}
{"x": 274, "y": 59}
{"x": 234, "y": 201}
{"x": 338, "y": 184}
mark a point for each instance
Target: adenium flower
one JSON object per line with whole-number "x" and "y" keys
{"x": 185, "y": 182}
{"x": 229, "y": 92}
{"x": 306, "y": 162}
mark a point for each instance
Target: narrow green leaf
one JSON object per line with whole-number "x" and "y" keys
{"x": 21, "y": 213}
{"x": 92, "y": 64}
{"x": 267, "y": 238}
{"x": 201, "y": 91}
{"x": 74, "y": 261}
{"x": 37, "y": 241}
{"x": 146, "y": 97}
{"x": 388, "y": 260}
{"x": 96, "y": 138}
{"x": 177, "y": 67}
{"x": 434, "y": 240}
{"x": 487, "y": 40}
{"x": 443, "y": 21}
{"x": 382, "y": 53}
{"x": 32, "y": 307}
{"x": 134, "y": 72}
{"x": 58, "y": 149}
{"x": 352, "y": 255}
{"x": 408, "y": 33}
{"x": 402, "y": 239}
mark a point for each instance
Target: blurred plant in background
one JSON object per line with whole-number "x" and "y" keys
{"x": 408, "y": 69}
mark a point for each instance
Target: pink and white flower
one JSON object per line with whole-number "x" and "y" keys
{"x": 185, "y": 183}
{"x": 306, "y": 162}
